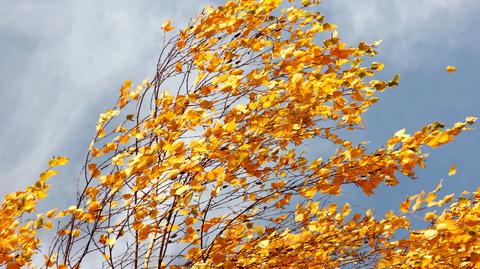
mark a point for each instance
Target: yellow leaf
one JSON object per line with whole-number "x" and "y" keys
{"x": 452, "y": 171}
{"x": 377, "y": 66}
{"x": 430, "y": 216}
{"x": 451, "y": 69}
{"x": 404, "y": 206}
{"x": 75, "y": 232}
{"x": 124, "y": 139}
{"x": 430, "y": 234}
{"x": 101, "y": 133}
{"x": 48, "y": 225}
{"x": 241, "y": 108}
{"x": 167, "y": 26}
{"x": 230, "y": 126}
{"x": 456, "y": 260}
{"x": 470, "y": 120}
{"x": 446, "y": 199}
{"x": 181, "y": 190}
{"x": 29, "y": 205}
{"x": 377, "y": 43}
{"x": 439, "y": 186}
{"x": 58, "y": 161}
{"x": 127, "y": 84}
{"x": 418, "y": 202}
{"x": 299, "y": 217}
{"x": 400, "y": 133}
{"x": 264, "y": 243}
{"x": 94, "y": 206}
{"x": 49, "y": 261}
{"x": 111, "y": 241}
{"x": 431, "y": 199}
{"x": 308, "y": 192}
{"x": 286, "y": 53}
{"x": 47, "y": 174}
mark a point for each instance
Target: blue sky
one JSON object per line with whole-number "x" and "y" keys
{"x": 62, "y": 63}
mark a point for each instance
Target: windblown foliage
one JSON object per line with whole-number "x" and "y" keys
{"x": 203, "y": 166}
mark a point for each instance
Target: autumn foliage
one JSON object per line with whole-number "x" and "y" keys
{"x": 203, "y": 166}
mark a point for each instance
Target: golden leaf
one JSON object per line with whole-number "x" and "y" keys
{"x": 452, "y": 171}
{"x": 451, "y": 69}
{"x": 180, "y": 190}
{"x": 264, "y": 243}
{"x": 47, "y": 174}
{"x": 470, "y": 120}
{"x": 178, "y": 66}
{"x": 58, "y": 161}
{"x": 166, "y": 26}
{"x": 405, "y": 206}
{"x": 430, "y": 234}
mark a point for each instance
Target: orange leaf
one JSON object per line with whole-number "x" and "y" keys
{"x": 451, "y": 69}
{"x": 167, "y": 26}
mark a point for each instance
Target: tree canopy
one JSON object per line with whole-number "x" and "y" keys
{"x": 204, "y": 165}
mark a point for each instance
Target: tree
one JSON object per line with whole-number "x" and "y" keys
{"x": 213, "y": 174}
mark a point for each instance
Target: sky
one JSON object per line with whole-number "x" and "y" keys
{"x": 62, "y": 63}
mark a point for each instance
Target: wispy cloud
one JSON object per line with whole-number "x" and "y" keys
{"x": 62, "y": 63}
{"x": 406, "y": 26}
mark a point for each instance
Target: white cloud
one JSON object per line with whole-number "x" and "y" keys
{"x": 404, "y": 25}
{"x": 63, "y": 62}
